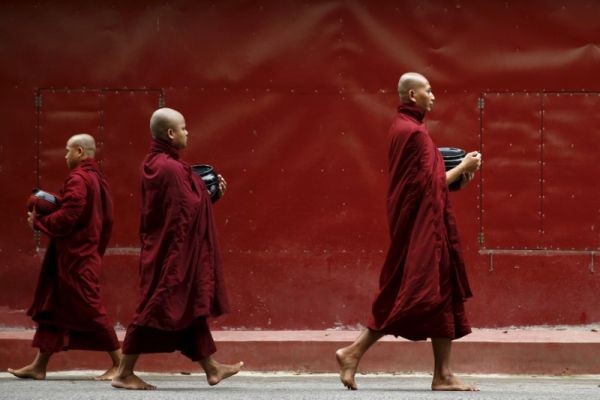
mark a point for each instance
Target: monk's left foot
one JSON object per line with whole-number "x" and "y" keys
{"x": 348, "y": 362}
{"x": 131, "y": 382}
{"x": 28, "y": 372}
{"x": 109, "y": 374}
{"x": 451, "y": 383}
{"x": 217, "y": 371}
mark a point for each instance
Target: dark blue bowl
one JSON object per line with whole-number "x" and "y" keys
{"x": 210, "y": 177}
{"x": 452, "y": 157}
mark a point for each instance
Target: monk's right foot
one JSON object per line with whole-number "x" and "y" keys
{"x": 217, "y": 371}
{"x": 131, "y": 382}
{"x": 348, "y": 363}
{"x": 28, "y": 372}
{"x": 109, "y": 374}
{"x": 451, "y": 383}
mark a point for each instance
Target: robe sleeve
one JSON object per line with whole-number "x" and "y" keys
{"x": 420, "y": 147}
{"x": 63, "y": 221}
{"x": 174, "y": 184}
{"x": 178, "y": 215}
{"x": 412, "y": 164}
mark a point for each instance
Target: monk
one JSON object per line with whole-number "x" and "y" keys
{"x": 181, "y": 280}
{"x": 67, "y": 305}
{"x": 423, "y": 283}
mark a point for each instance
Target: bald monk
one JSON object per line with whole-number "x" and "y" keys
{"x": 423, "y": 283}
{"x": 181, "y": 280}
{"x": 67, "y": 305}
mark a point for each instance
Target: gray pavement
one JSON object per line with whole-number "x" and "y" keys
{"x": 77, "y": 385}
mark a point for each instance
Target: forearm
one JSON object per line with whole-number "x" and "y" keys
{"x": 454, "y": 174}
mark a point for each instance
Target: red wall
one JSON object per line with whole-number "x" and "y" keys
{"x": 291, "y": 101}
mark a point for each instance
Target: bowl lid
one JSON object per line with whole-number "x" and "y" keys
{"x": 452, "y": 152}
{"x": 202, "y": 169}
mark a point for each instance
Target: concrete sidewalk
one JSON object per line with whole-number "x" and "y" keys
{"x": 551, "y": 351}
{"x": 245, "y": 386}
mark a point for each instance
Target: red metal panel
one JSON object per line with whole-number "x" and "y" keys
{"x": 18, "y": 151}
{"x": 519, "y": 289}
{"x": 571, "y": 148}
{"x": 511, "y": 174}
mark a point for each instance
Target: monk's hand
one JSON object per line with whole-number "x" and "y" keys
{"x": 471, "y": 162}
{"x": 222, "y": 185}
{"x": 30, "y": 218}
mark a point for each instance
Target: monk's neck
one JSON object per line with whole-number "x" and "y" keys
{"x": 88, "y": 162}
{"x": 162, "y": 146}
{"x": 412, "y": 111}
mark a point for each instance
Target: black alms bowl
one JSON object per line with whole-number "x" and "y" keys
{"x": 452, "y": 157}
{"x": 210, "y": 178}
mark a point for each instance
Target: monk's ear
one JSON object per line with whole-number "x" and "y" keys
{"x": 411, "y": 95}
{"x": 170, "y": 134}
{"x": 80, "y": 151}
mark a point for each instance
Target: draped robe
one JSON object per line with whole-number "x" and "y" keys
{"x": 67, "y": 304}
{"x": 181, "y": 279}
{"x": 423, "y": 282}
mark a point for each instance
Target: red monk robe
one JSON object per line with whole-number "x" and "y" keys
{"x": 181, "y": 280}
{"x": 67, "y": 303}
{"x": 423, "y": 283}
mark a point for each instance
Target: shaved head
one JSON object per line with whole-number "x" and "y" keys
{"x": 162, "y": 120}
{"x": 79, "y": 147}
{"x": 410, "y": 81}
{"x": 85, "y": 141}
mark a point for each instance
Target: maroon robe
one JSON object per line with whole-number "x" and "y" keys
{"x": 423, "y": 283}
{"x": 194, "y": 342}
{"x": 181, "y": 280}
{"x": 67, "y": 303}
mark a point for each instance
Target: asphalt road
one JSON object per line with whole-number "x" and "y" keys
{"x": 77, "y": 385}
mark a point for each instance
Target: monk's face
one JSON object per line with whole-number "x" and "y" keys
{"x": 74, "y": 155}
{"x": 178, "y": 133}
{"x": 423, "y": 96}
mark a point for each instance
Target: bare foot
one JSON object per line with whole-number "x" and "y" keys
{"x": 131, "y": 382}
{"x": 348, "y": 363}
{"x": 28, "y": 372}
{"x": 109, "y": 374}
{"x": 451, "y": 383}
{"x": 217, "y": 371}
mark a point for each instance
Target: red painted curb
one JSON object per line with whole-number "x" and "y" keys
{"x": 543, "y": 351}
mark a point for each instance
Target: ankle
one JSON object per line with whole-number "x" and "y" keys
{"x": 124, "y": 373}
{"x": 353, "y": 352}
{"x": 41, "y": 368}
{"x": 209, "y": 365}
{"x": 444, "y": 374}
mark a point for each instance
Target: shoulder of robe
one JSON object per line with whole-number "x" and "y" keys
{"x": 76, "y": 186}
{"x": 170, "y": 168}
{"x": 77, "y": 178}
{"x": 410, "y": 138}
{"x": 404, "y": 127}
{"x": 419, "y": 136}
{"x": 420, "y": 145}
